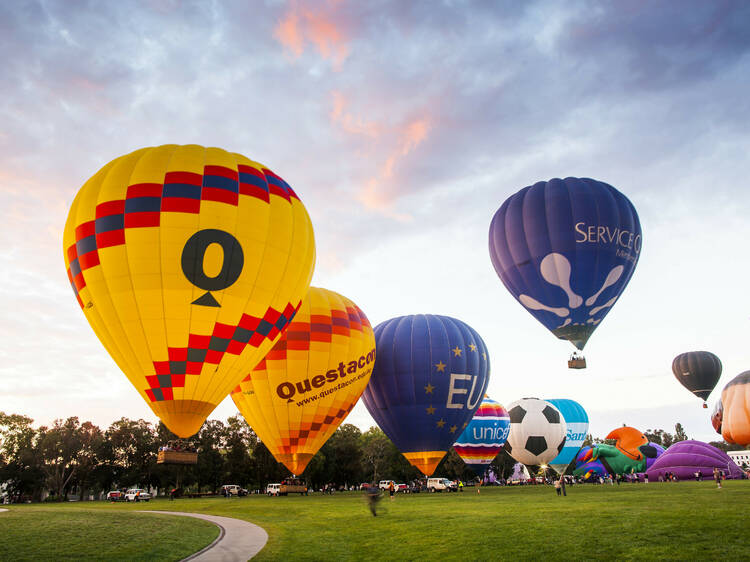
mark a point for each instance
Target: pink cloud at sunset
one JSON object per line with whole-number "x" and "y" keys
{"x": 380, "y": 191}
{"x": 319, "y": 26}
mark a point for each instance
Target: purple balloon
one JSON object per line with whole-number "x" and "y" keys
{"x": 685, "y": 458}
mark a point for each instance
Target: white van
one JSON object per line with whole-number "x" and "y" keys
{"x": 273, "y": 489}
{"x": 386, "y": 485}
{"x": 440, "y": 484}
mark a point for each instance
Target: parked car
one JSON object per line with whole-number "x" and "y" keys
{"x": 364, "y": 485}
{"x": 386, "y": 484}
{"x": 137, "y": 495}
{"x": 273, "y": 489}
{"x": 116, "y": 496}
{"x": 403, "y": 488}
{"x": 440, "y": 484}
{"x": 233, "y": 490}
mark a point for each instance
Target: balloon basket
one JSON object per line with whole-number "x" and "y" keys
{"x": 577, "y": 362}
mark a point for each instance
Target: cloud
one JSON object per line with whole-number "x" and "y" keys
{"x": 318, "y": 24}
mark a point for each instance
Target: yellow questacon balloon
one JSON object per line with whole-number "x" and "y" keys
{"x": 188, "y": 262}
{"x": 307, "y": 384}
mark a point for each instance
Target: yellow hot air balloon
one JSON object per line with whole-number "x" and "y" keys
{"x": 188, "y": 262}
{"x": 301, "y": 392}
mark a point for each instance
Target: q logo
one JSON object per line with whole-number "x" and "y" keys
{"x": 193, "y": 263}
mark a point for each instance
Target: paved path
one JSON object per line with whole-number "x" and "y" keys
{"x": 3, "y": 509}
{"x": 237, "y": 541}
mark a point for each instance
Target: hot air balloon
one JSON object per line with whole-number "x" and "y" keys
{"x": 431, "y": 374}
{"x": 307, "y": 384}
{"x": 188, "y": 262}
{"x": 716, "y": 416}
{"x": 537, "y": 431}
{"x": 577, "y": 427}
{"x": 586, "y": 467}
{"x": 698, "y": 371}
{"x": 484, "y": 437}
{"x": 735, "y": 398}
{"x": 685, "y": 458}
{"x": 566, "y": 249}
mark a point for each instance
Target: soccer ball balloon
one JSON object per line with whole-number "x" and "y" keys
{"x": 537, "y": 431}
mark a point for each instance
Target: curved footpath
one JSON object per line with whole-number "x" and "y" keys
{"x": 2, "y": 509}
{"x": 237, "y": 541}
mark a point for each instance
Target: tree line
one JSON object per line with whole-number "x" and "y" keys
{"x": 70, "y": 457}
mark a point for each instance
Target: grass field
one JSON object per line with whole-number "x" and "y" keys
{"x": 666, "y": 521}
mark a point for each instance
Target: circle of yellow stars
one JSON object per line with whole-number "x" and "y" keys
{"x": 430, "y": 388}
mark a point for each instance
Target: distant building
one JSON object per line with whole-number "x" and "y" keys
{"x": 741, "y": 458}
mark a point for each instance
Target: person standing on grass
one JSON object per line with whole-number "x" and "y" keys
{"x": 391, "y": 489}
{"x": 558, "y": 488}
{"x": 717, "y": 477}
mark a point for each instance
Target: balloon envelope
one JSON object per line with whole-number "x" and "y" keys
{"x": 685, "y": 458}
{"x": 308, "y": 383}
{"x": 188, "y": 263}
{"x": 537, "y": 431}
{"x": 586, "y": 467}
{"x": 566, "y": 249}
{"x": 484, "y": 437}
{"x": 698, "y": 371}
{"x": 735, "y": 398}
{"x": 577, "y": 427}
{"x": 429, "y": 378}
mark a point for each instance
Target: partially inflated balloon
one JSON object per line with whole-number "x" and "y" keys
{"x": 188, "y": 263}
{"x": 735, "y": 398}
{"x": 566, "y": 249}
{"x": 698, "y": 371}
{"x": 301, "y": 392}
{"x": 484, "y": 437}
{"x": 577, "y": 427}
{"x": 428, "y": 381}
{"x": 586, "y": 466}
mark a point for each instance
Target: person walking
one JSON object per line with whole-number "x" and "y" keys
{"x": 391, "y": 489}
{"x": 558, "y": 488}
{"x": 372, "y": 494}
{"x": 717, "y": 477}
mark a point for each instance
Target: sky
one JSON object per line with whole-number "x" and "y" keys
{"x": 402, "y": 126}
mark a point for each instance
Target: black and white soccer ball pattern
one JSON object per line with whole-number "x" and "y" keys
{"x": 537, "y": 431}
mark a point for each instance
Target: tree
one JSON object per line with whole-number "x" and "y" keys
{"x": 375, "y": 448}
{"x": 240, "y": 440}
{"x": 87, "y": 461}
{"x": 131, "y": 450}
{"x": 345, "y": 454}
{"x": 679, "y": 433}
{"x": 20, "y": 468}
{"x": 452, "y": 466}
{"x": 210, "y": 468}
{"x": 60, "y": 447}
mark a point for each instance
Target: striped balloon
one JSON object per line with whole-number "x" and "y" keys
{"x": 484, "y": 436}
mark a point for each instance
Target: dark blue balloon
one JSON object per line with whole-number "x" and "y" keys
{"x": 566, "y": 249}
{"x": 430, "y": 375}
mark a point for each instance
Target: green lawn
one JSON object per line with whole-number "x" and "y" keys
{"x": 98, "y": 531}
{"x": 678, "y": 521}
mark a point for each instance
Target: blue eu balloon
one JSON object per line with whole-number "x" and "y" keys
{"x": 566, "y": 249}
{"x": 430, "y": 375}
{"x": 577, "y": 423}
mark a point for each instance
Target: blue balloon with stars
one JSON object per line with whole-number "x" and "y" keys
{"x": 430, "y": 375}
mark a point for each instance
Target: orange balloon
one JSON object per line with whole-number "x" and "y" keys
{"x": 309, "y": 382}
{"x": 735, "y": 424}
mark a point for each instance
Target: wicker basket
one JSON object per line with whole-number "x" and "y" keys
{"x": 176, "y": 457}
